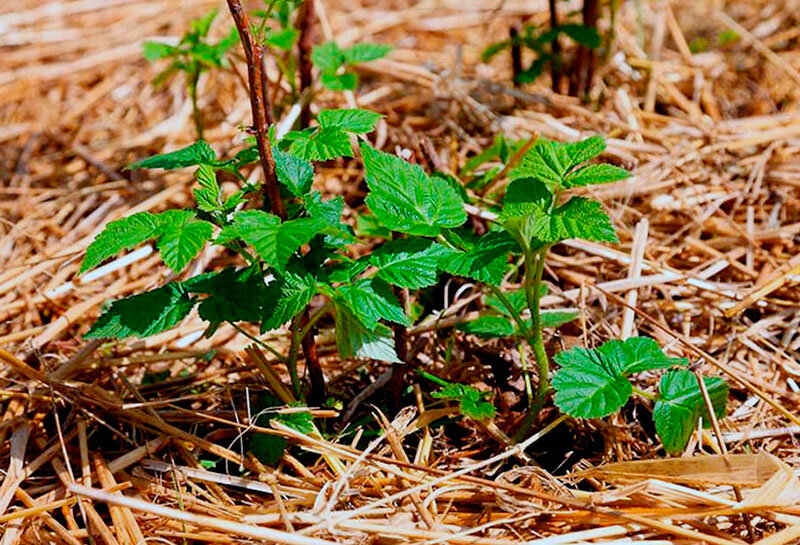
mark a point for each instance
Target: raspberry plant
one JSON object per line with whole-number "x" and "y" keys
{"x": 294, "y": 247}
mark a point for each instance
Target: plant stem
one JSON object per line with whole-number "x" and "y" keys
{"x": 196, "y": 115}
{"x": 534, "y": 268}
{"x": 258, "y": 341}
{"x": 253, "y": 53}
{"x": 646, "y": 395}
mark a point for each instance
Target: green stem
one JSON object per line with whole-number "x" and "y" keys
{"x": 646, "y": 395}
{"x": 291, "y": 362}
{"x": 196, "y": 116}
{"x": 534, "y": 268}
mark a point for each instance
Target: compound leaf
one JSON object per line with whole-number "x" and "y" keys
{"x": 144, "y": 314}
{"x": 639, "y": 354}
{"x": 208, "y": 194}
{"x": 470, "y": 400}
{"x": 235, "y": 295}
{"x": 339, "y": 82}
{"x": 486, "y": 261}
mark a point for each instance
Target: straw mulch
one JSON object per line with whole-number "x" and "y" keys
{"x": 146, "y": 440}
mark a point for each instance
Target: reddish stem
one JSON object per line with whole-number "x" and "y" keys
{"x": 253, "y": 53}
{"x": 305, "y": 24}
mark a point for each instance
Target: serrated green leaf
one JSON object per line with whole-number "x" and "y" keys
{"x": 288, "y": 294}
{"x": 121, "y": 234}
{"x": 371, "y": 300}
{"x": 574, "y": 153}
{"x": 235, "y": 295}
{"x": 144, "y": 314}
{"x": 589, "y": 385}
{"x": 599, "y": 173}
{"x": 339, "y": 82}
{"x": 208, "y": 194}
{"x": 353, "y": 120}
{"x": 681, "y": 404}
{"x": 365, "y": 52}
{"x": 199, "y": 153}
{"x": 321, "y": 145}
{"x": 639, "y": 354}
{"x": 328, "y": 57}
{"x": 356, "y": 341}
{"x": 181, "y": 238}
{"x": 408, "y": 262}
{"x": 486, "y": 261}
{"x": 550, "y": 162}
{"x": 578, "y": 218}
{"x": 275, "y": 242}
{"x": 408, "y": 200}
{"x": 301, "y": 421}
{"x": 488, "y": 327}
{"x": 470, "y": 399}
{"x": 295, "y": 173}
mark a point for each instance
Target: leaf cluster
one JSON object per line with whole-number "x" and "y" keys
{"x": 333, "y": 62}
{"x": 595, "y": 382}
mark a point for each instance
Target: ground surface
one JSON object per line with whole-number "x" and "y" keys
{"x": 709, "y": 227}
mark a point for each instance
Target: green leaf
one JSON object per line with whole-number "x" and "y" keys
{"x": 275, "y": 242}
{"x": 599, "y": 173}
{"x": 153, "y": 51}
{"x": 208, "y": 195}
{"x": 371, "y": 300}
{"x": 578, "y": 218}
{"x": 639, "y": 354}
{"x": 234, "y": 295}
{"x": 339, "y": 82}
{"x": 489, "y": 327}
{"x": 368, "y": 225}
{"x": 589, "y": 385}
{"x": 575, "y": 153}
{"x": 329, "y": 214}
{"x": 321, "y": 145}
{"x": 144, "y": 314}
{"x": 493, "y": 49}
{"x": 408, "y": 200}
{"x": 356, "y": 341}
{"x": 199, "y": 153}
{"x": 681, "y": 404}
{"x": 287, "y": 295}
{"x": 408, "y": 262}
{"x": 282, "y": 39}
{"x": 351, "y": 120}
{"x": 181, "y": 238}
{"x": 328, "y": 57}
{"x": 486, "y": 261}
{"x": 121, "y": 234}
{"x": 301, "y": 421}
{"x": 470, "y": 400}
{"x": 550, "y": 162}
{"x": 295, "y": 173}
{"x": 365, "y": 52}
{"x": 583, "y": 34}
{"x": 555, "y": 318}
